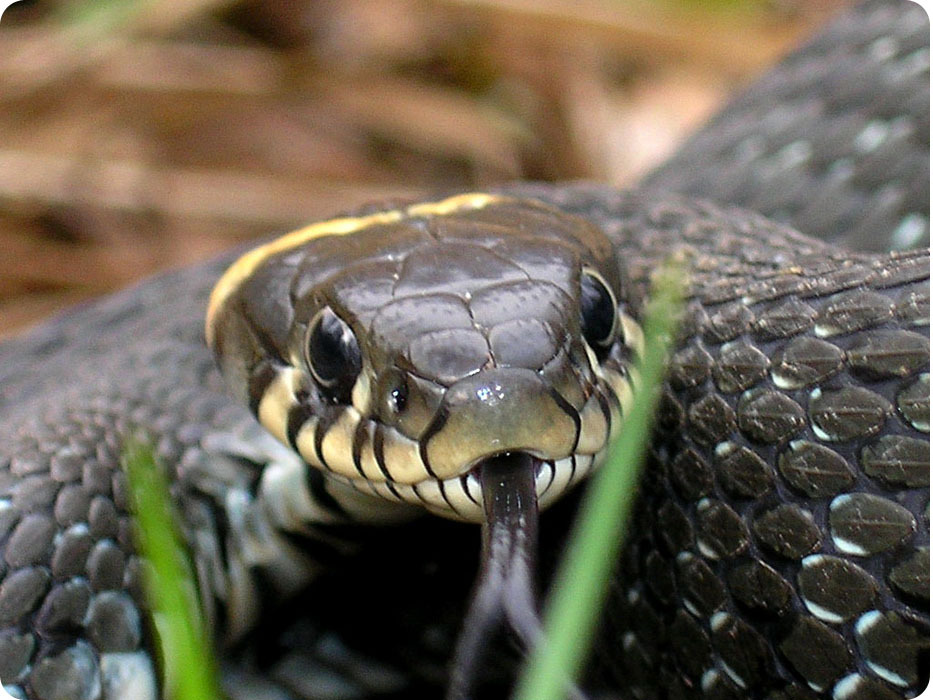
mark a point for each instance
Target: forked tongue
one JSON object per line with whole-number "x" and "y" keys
{"x": 505, "y": 587}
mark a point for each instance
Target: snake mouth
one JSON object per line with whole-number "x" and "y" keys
{"x": 437, "y": 469}
{"x": 462, "y": 497}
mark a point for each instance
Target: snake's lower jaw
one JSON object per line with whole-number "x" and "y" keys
{"x": 462, "y": 497}
{"x": 505, "y": 588}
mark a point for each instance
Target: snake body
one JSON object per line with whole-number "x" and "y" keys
{"x": 781, "y": 544}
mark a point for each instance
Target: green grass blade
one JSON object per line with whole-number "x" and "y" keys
{"x": 581, "y": 582}
{"x": 100, "y": 17}
{"x": 191, "y": 669}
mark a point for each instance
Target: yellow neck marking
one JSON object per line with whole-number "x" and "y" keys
{"x": 240, "y": 270}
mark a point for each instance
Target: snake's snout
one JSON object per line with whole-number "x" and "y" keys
{"x": 497, "y": 411}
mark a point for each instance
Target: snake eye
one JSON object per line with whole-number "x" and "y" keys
{"x": 398, "y": 398}
{"x": 333, "y": 353}
{"x": 598, "y": 315}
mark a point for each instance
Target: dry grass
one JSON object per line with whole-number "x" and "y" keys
{"x": 140, "y": 135}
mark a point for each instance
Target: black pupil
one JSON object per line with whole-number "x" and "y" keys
{"x": 597, "y": 311}
{"x": 333, "y": 353}
{"x": 400, "y": 397}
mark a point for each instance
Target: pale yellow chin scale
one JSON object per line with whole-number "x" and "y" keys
{"x": 278, "y": 400}
{"x": 461, "y": 498}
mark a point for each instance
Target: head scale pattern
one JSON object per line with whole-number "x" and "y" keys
{"x": 396, "y": 351}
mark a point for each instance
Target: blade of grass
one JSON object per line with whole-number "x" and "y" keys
{"x": 581, "y": 582}
{"x": 170, "y": 585}
{"x": 99, "y": 17}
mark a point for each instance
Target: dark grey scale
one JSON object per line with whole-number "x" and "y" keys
{"x": 913, "y": 402}
{"x": 740, "y": 366}
{"x": 769, "y": 417}
{"x": 806, "y": 361}
{"x": 727, "y": 323}
{"x": 694, "y": 650}
{"x": 432, "y": 351}
{"x": 661, "y": 578}
{"x": 8, "y": 519}
{"x": 848, "y": 413}
{"x": 835, "y": 589}
{"x": 746, "y": 650}
{"x": 742, "y": 473}
{"x": 64, "y": 608}
{"x": 31, "y": 541}
{"x": 721, "y": 533}
{"x": 71, "y": 505}
{"x": 15, "y": 651}
{"x": 74, "y": 671}
{"x": 913, "y": 306}
{"x": 710, "y": 420}
{"x": 113, "y": 622}
{"x": 690, "y": 367}
{"x": 103, "y": 518}
{"x": 96, "y": 476}
{"x": 852, "y": 310}
{"x": 897, "y": 460}
{"x": 793, "y": 691}
{"x": 105, "y": 566}
{"x": 818, "y": 653}
{"x": 133, "y": 581}
{"x": 21, "y": 592}
{"x": 911, "y": 577}
{"x": 889, "y": 353}
{"x": 703, "y": 591}
{"x": 691, "y": 475}
{"x": 788, "y": 530}
{"x": 833, "y": 278}
{"x": 815, "y": 470}
{"x": 760, "y": 588}
{"x": 784, "y": 319}
{"x": 675, "y": 530}
{"x": 648, "y": 630}
{"x": 66, "y": 465}
{"x": 34, "y": 492}
{"x": 71, "y": 551}
{"x": 891, "y": 645}
{"x": 717, "y": 684}
{"x": 866, "y": 524}
{"x": 125, "y": 532}
{"x": 690, "y": 324}
{"x": 670, "y": 414}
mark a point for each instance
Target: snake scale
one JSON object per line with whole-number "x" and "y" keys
{"x": 780, "y": 547}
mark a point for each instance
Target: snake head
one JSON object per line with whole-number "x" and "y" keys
{"x": 398, "y": 351}
{"x": 468, "y": 356}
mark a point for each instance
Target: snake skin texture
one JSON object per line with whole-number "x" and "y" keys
{"x": 782, "y": 537}
{"x": 835, "y": 141}
{"x": 786, "y": 496}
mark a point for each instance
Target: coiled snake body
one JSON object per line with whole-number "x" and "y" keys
{"x": 781, "y": 545}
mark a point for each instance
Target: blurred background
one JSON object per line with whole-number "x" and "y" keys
{"x": 138, "y": 135}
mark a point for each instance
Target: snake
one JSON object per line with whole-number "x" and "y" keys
{"x": 366, "y": 389}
